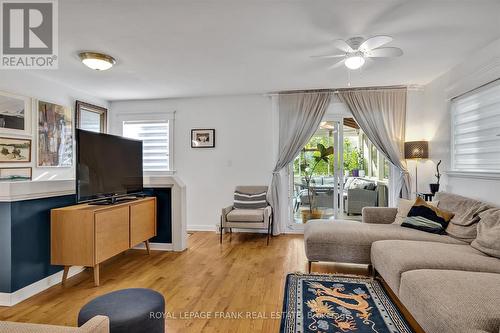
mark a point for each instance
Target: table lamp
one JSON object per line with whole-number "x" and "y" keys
{"x": 416, "y": 150}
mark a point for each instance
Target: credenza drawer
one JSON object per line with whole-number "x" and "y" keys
{"x": 142, "y": 221}
{"x": 111, "y": 232}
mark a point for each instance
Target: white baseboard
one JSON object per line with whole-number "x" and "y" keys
{"x": 201, "y": 227}
{"x": 155, "y": 246}
{"x": 10, "y": 299}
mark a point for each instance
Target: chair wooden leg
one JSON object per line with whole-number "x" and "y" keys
{"x": 269, "y": 228}
{"x": 309, "y": 264}
{"x": 372, "y": 271}
{"x": 220, "y": 230}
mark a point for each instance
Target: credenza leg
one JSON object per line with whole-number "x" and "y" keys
{"x": 147, "y": 246}
{"x": 65, "y": 275}
{"x": 96, "y": 275}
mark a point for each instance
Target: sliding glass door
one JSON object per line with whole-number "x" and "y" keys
{"x": 316, "y": 176}
{"x": 337, "y": 173}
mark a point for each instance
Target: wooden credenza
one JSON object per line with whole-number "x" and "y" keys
{"x": 86, "y": 235}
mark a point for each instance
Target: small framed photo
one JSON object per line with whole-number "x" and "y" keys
{"x": 15, "y": 150}
{"x": 15, "y": 114}
{"x": 14, "y": 174}
{"x": 203, "y": 138}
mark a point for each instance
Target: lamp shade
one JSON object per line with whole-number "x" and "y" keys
{"x": 416, "y": 149}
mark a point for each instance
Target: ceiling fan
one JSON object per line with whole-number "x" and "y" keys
{"x": 356, "y": 50}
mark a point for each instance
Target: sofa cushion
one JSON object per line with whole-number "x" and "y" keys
{"x": 426, "y": 217}
{"x": 404, "y": 207}
{"x": 245, "y": 215}
{"x": 391, "y": 258}
{"x": 488, "y": 233}
{"x": 444, "y": 301}
{"x": 463, "y": 225}
{"x": 351, "y": 241}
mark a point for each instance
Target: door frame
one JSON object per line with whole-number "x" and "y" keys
{"x": 338, "y": 174}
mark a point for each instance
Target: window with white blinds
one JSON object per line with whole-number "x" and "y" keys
{"x": 476, "y": 130}
{"x": 155, "y": 142}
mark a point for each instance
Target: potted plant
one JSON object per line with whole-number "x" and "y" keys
{"x": 435, "y": 186}
{"x": 353, "y": 159}
{"x": 308, "y": 167}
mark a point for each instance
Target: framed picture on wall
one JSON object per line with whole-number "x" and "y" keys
{"x": 13, "y": 150}
{"x": 15, "y": 174}
{"x": 91, "y": 117}
{"x": 203, "y": 138}
{"x": 55, "y": 135}
{"x": 15, "y": 114}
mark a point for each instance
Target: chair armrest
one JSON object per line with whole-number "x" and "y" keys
{"x": 379, "y": 215}
{"x": 268, "y": 211}
{"x": 362, "y": 195}
{"x": 98, "y": 324}
{"x": 226, "y": 210}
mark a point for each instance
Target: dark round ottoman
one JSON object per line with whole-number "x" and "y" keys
{"x": 135, "y": 310}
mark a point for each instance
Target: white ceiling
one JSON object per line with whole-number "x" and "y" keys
{"x": 197, "y": 48}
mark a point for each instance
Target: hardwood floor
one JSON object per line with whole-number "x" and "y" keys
{"x": 243, "y": 277}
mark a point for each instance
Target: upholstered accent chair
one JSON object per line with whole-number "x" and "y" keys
{"x": 247, "y": 218}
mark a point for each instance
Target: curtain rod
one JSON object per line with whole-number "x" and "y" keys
{"x": 474, "y": 89}
{"x": 332, "y": 90}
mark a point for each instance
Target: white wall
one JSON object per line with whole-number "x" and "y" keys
{"x": 429, "y": 118}
{"x": 242, "y": 155}
{"x": 29, "y": 84}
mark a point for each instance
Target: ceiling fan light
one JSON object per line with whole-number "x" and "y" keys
{"x": 97, "y": 61}
{"x": 354, "y": 62}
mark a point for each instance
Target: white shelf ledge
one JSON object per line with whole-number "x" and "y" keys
{"x": 28, "y": 190}
{"x": 474, "y": 175}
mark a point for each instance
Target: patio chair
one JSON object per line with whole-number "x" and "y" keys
{"x": 248, "y": 211}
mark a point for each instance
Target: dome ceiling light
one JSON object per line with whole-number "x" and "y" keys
{"x": 97, "y": 61}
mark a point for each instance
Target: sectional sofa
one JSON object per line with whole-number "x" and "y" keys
{"x": 446, "y": 284}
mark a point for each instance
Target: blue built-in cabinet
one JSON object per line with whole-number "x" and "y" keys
{"x": 163, "y": 214}
{"x": 25, "y": 236}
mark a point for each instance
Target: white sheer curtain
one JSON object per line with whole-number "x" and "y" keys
{"x": 299, "y": 117}
{"x": 381, "y": 114}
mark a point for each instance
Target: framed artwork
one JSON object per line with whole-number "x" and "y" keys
{"x": 14, "y": 174}
{"x": 15, "y": 150}
{"x": 91, "y": 117}
{"x": 55, "y": 135}
{"x": 203, "y": 138}
{"x": 15, "y": 114}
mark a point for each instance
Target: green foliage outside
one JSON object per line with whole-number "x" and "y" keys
{"x": 353, "y": 157}
{"x": 311, "y": 151}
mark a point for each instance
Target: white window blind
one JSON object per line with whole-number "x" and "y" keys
{"x": 155, "y": 145}
{"x": 476, "y": 130}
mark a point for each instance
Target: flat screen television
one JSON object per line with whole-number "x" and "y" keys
{"x": 107, "y": 167}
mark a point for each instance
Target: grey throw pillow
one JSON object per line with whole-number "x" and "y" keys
{"x": 250, "y": 201}
{"x": 463, "y": 226}
{"x": 488, "y": 233}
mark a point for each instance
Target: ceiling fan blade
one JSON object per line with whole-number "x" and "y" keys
{"x": 329, "y": 56}
{"x": 342, "y": 45}
{"x": 337, "y": 64}
{"x": 374, "y": 42}
{"x": 385, "y": 52}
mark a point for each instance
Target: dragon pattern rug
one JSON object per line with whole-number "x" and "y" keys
{"x": 315, "y": 303}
